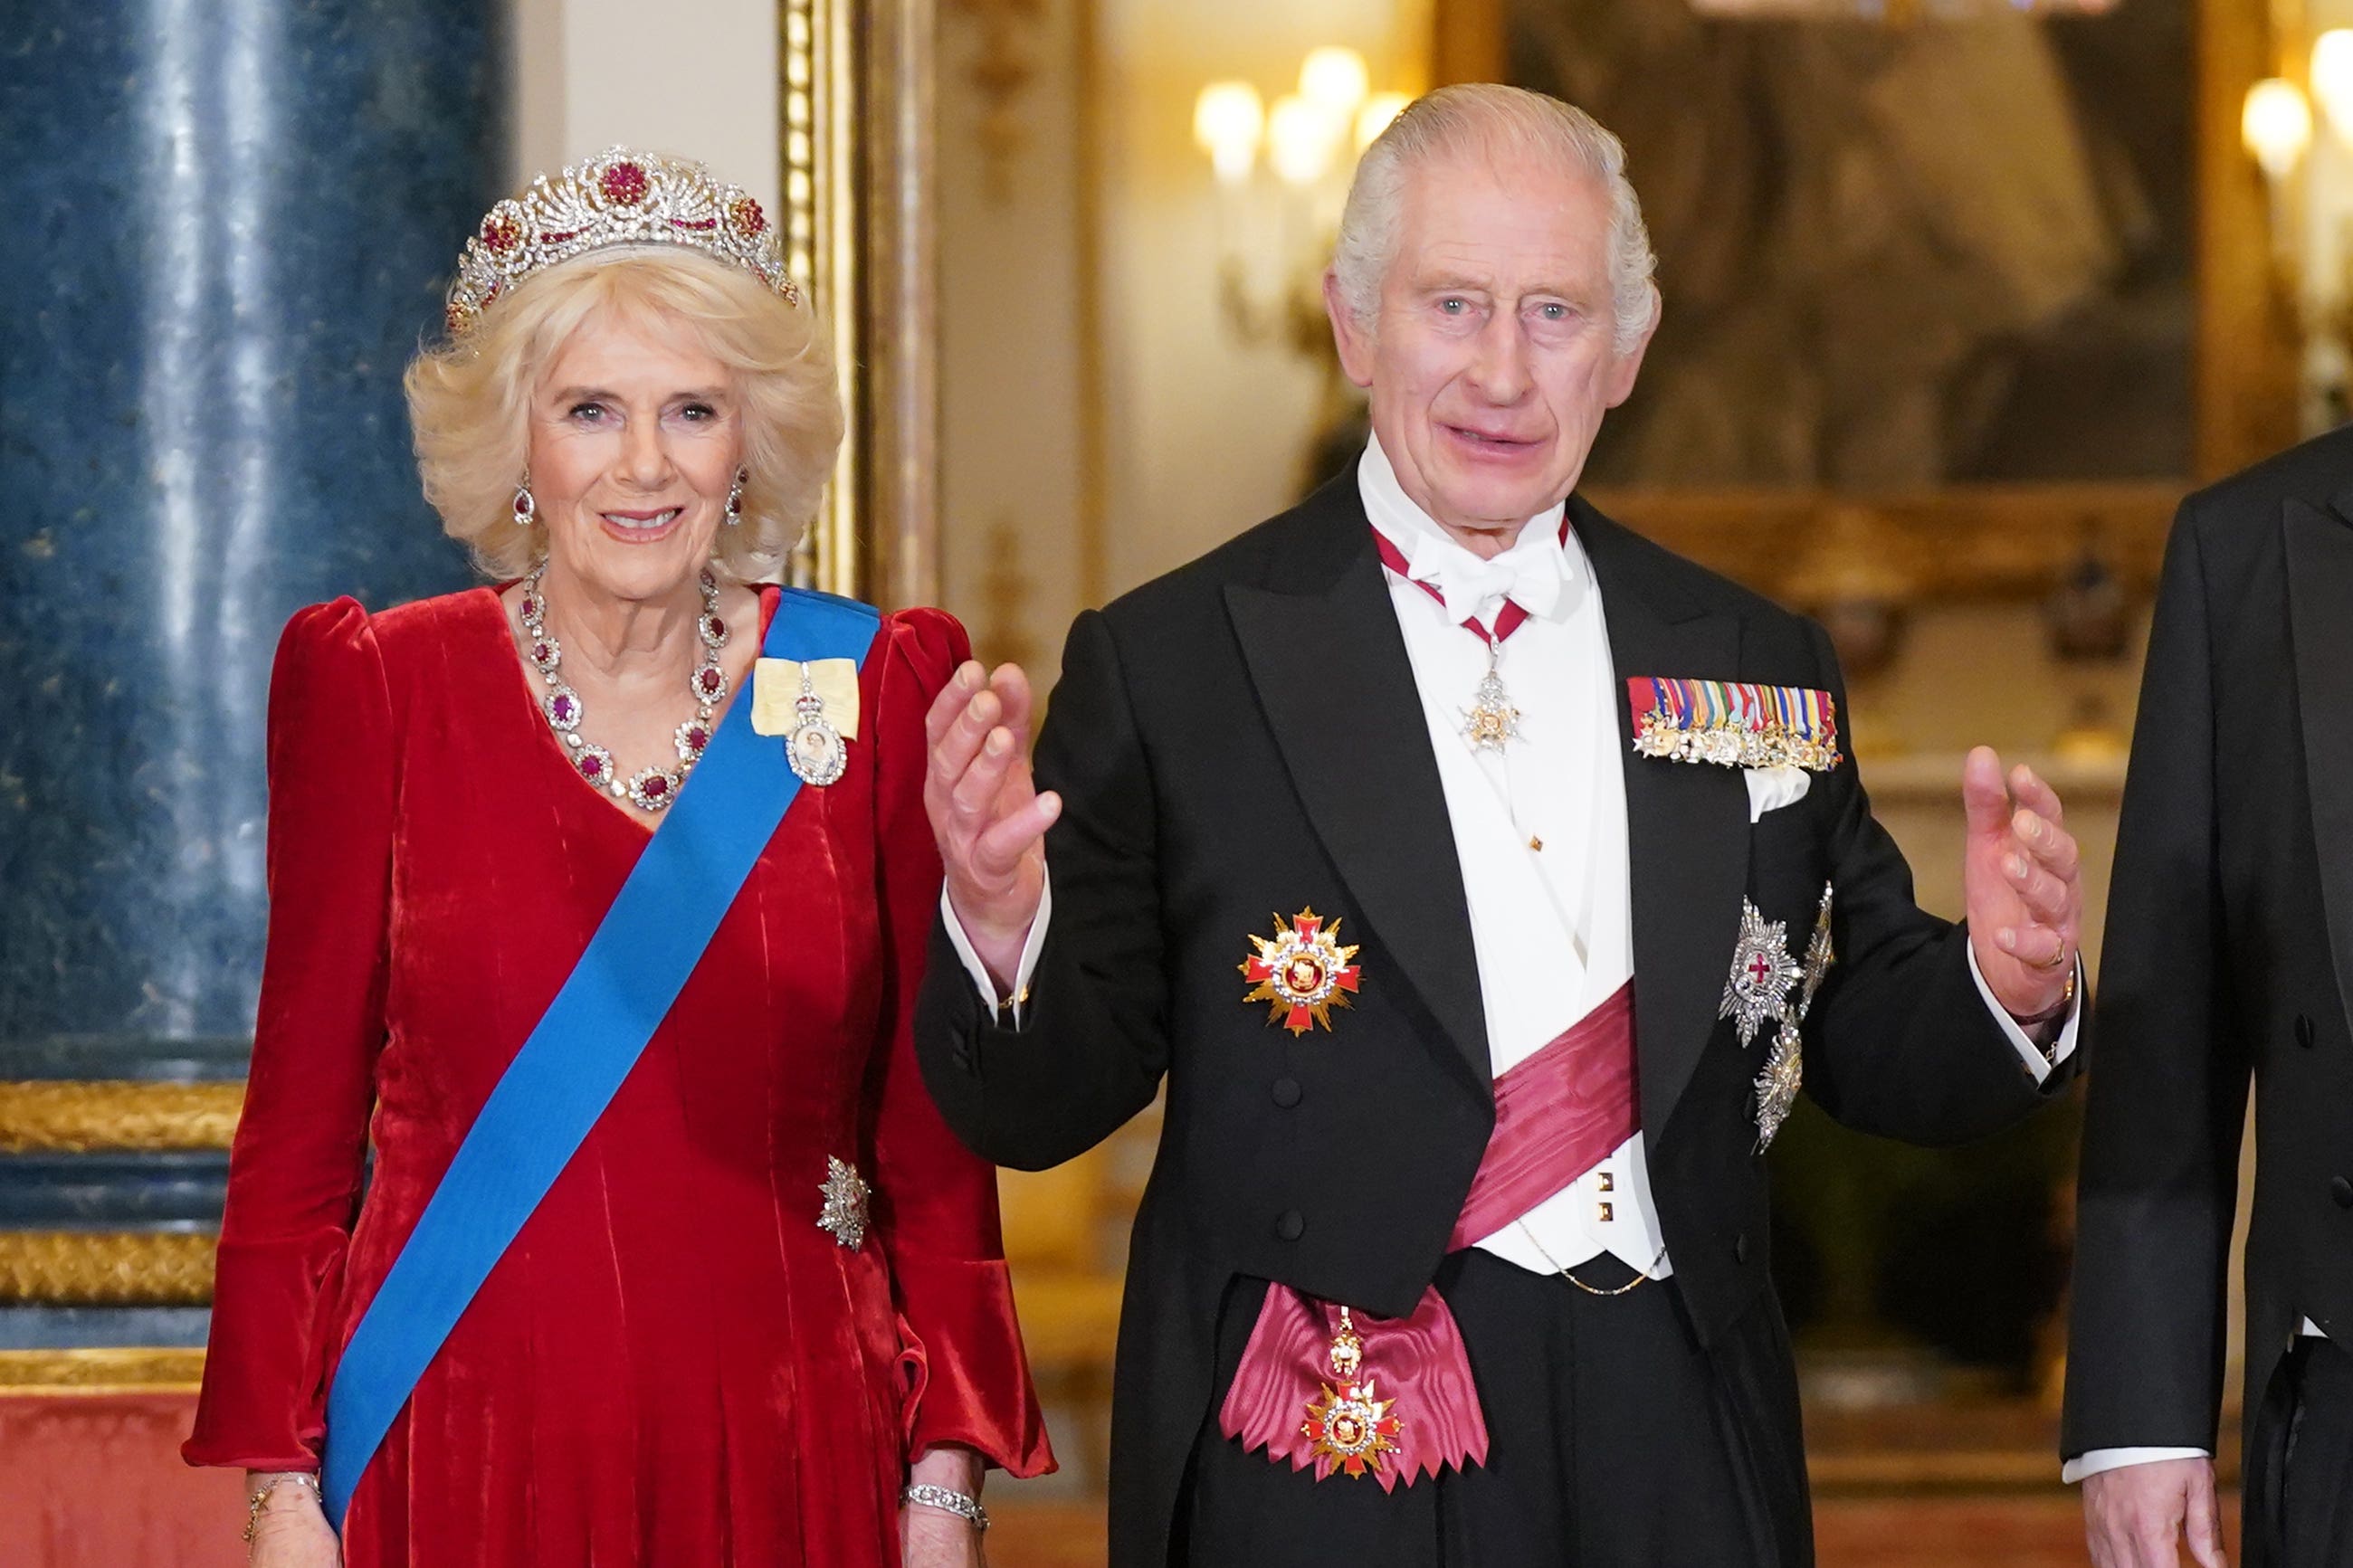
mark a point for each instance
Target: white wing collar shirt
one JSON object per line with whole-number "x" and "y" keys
{"x": 1539, "y": 827}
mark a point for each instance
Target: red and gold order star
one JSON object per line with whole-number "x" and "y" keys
{"x": 1352, "y": 1427}
{"x": 1302, "y": 972}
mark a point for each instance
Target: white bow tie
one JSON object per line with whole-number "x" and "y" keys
{"x": 1528, "y": 575}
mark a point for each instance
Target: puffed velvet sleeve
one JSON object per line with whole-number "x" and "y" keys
{"x": 295, "y": 1169}
{"x": 935, "y": 1202}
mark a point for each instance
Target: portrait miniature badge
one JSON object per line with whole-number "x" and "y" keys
{"x": 1302, "y": 972}
{"x": 814, "y": 706}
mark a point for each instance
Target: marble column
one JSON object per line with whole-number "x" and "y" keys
{"x": 231, "y": 222}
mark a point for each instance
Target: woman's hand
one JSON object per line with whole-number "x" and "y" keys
{"x": 292, "y": 1530}
{"x": 933, "y": 1537}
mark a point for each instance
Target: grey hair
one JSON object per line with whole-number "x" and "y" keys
{"x": 1482, "y": 116}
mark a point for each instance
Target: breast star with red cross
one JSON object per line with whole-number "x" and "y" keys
{"x": 1763, "y": 973}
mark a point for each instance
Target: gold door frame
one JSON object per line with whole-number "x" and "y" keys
{"x": 856, "y": 100}
{"x": 2011, "y": 540}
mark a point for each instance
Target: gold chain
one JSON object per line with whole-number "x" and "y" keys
{"x": 1642, "y": 1277}
{"x": 300, "y": 1480}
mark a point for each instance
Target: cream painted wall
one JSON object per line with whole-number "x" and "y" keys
{"x": 696, "y": 79}
{"x": 1208, "y": 431}
{"x": 1200, "y": 433}
{"x": 1012, "y": 326}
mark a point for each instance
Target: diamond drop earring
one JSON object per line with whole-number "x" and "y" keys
{"x": 526, "y": 510}
{"x": 736, "y": 497}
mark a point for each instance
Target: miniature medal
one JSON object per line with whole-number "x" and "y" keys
{"x": 1492, "y": 723}
{"x": 814, "y": 747}
{"x": 1350, "y": 1427}
{"x": 1777, "y": 1086}
{"x": 1303, "y": 972}
{"x": 1762, "y": 974}
{"x": 1735, "y": 724}
{"x": 844, "y": 1214}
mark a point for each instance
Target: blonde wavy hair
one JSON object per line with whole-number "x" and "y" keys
{"x": 469, "y": 401}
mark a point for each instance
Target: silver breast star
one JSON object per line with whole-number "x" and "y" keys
{"x": 1777, "y": 1086}
{"x": 1763, "y": 973}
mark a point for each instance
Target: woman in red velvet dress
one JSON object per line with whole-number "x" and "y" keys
{"x": 673, "y": 1363}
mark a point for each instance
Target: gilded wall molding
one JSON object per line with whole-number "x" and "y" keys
{"x": 92, "y": 1372}
{"x": 106, "y": 1268}
{"x": 857, "y": 99}
{"x": 999, "y": 70}
{"x": 1006, "y": 591}
{"x": 1088, "y": 175}
{"x": 81, "y": 1118}
{"x": 818, "y": 100}
{"x": 1980, "y": 542}
{"x": 897, "y": 245}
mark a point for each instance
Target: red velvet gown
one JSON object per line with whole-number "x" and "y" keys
{"x": 674, "y": 1365}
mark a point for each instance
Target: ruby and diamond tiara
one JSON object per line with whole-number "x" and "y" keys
{"x": 619, "y": 197}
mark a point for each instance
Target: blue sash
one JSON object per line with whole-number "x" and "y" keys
{"x": 573, "y": 1063}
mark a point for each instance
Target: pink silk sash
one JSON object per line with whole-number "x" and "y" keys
{"x": 1557, "y": 1114}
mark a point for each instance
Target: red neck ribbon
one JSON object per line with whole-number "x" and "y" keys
{"x": 1508, "y": 620}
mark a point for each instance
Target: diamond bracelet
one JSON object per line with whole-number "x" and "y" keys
{"x": 955, "y": 1503}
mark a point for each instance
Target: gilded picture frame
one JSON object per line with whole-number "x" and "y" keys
{"x": 1814, "y": 546}
{"x": 856, "y": 103}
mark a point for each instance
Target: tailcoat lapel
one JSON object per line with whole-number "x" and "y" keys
{"x": 1686, "y": 824}
{"x": 2320, "y": 617}
{"x": 1324, "y": 650}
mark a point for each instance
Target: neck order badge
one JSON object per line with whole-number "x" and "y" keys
{"x": 585, "y": 1045}
{"x": 1490, "y": 722}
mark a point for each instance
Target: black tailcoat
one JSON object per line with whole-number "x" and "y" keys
{"x": 1242, "y": 739}
{"x": 2229, "y": 959}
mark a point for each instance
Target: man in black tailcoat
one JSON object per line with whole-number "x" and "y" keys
{"x": 1481, "y": 880}
{"x": 2229, "y": 963}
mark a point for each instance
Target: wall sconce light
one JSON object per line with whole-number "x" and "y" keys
{"x": 2276, "y": 126}
{"x": 1228, "y": 119}
{"x": 1282, "y": 175}
{"x": 2308, "y": 178}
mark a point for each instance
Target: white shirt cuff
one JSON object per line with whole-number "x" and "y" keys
{"x": 2099, "y": 1460}
{"x": 2031, "y": 1054}
{"x": 1029, "y": 951}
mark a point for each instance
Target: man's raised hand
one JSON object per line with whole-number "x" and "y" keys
{"x": 2021, "y": 879}
{"x": 986, "y": 810}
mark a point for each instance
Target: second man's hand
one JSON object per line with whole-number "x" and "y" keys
{"x": 2022, "y": 878}
{"x": 986, "y": 811}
